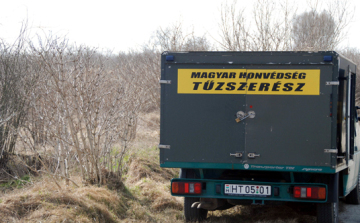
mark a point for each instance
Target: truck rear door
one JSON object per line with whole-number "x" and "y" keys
{"x": 242, "y": 112}
{"x": 199, "y": 127}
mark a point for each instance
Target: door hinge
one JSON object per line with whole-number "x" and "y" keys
{"x": 253, "y": 155}
{"x": 330, "y": 151}
{"x": 163, "y": 146}
{"x": 332, "y": 82}
{"x": 165, "y": 81}
{"x": 237, "y": 154}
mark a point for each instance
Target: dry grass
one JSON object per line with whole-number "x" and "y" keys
{"x": 150, "y": 185}
{"x": 148, "y": 167}
{"x": 44, "y": 202}
{"x": 145, "y": 196}
{"x": 148, "y": 133}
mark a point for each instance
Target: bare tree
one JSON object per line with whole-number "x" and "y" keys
{"x": 313, "y": 31}
{"x": 276, "y": 26}
{"x": 143, "y": 67}
{"x": 174, "y": 38}
{"x": 321, "y": 30}
{"x": 271, "y": 30}
{"x": 354, "y": 55}
{"x": 197, "y": 43}
{"x": 171, "y": 38}
{"x": 234, "y": 29}
{"x": 273, "y": 25}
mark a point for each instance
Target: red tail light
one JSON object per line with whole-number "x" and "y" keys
{"x": 297, "y": 192}
{"x": 186, "y": 187}
{"x": 198, "y": 188}
{"x": 310, "y": 192}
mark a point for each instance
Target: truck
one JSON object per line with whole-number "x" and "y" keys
{"x": 260, "y": 128}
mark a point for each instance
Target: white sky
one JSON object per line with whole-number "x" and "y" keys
{"x": 123, "y": 24}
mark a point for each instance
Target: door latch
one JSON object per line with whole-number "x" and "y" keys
{"x": 240, "y": 115}
{"x": 238, "y": 155}
{"x": 253, "y": 155}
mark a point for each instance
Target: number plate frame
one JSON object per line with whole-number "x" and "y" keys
{"x": 247, "y": 190}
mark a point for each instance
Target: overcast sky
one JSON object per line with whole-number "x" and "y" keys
{"x": 120, "y": 25}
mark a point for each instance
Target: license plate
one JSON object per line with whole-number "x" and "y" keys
{"x": 243, "y": 189}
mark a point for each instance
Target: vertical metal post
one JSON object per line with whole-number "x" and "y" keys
{"x": 348, "y": 117}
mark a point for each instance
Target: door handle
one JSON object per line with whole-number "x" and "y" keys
{"x": 242, "y": 115}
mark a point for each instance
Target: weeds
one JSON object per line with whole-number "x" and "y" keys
{"x": 18, "y": 183}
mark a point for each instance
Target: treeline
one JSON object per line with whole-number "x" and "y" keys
{"x": 79, "y": 107}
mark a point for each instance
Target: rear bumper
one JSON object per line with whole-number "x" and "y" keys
{"x": 282, "y": 192}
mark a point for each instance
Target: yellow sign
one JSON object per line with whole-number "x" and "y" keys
{"x": 252, "y": 81}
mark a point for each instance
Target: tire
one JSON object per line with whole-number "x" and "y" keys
{"x": 193, "y": 214}
{"x": 328, "y": 212}
{"x": 354, "y": 196}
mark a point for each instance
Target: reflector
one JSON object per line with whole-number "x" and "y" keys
{"x": 175, "y": 187}
{"x": 314, "y": 192}
{"x": 169, "y": 58}
{"x": 322, "y": 193}
{"x": 328, "y": 58}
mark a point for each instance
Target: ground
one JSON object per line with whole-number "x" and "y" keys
{"x": 144, "y": 195}
{"x": 349, "y": 213}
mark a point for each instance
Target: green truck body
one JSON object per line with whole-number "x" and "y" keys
{"x": 278, "y": 121}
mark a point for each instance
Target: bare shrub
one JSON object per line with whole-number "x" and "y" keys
{"x": 142, "y": 70}
{"x": 89, "y": 111}
{"x": 18, "y": 78}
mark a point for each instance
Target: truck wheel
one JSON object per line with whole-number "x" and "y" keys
{"x": 328, "y": 212}
{"x": 354, "y": 196}
{"x": 193, "y": 214}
